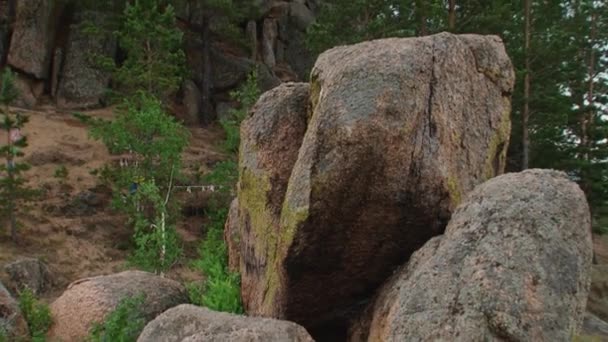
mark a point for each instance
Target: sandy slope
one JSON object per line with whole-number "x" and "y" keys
{"x": 79, "y": 244}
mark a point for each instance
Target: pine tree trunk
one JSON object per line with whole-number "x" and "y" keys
{"x": 587, "y": 115}
{"x": 452, "y": 16}
{"x": 11, "y": 188}
{"x": 526, "y": 110}
{"x": 421, "y": 14}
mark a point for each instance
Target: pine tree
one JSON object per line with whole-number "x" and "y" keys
{"x": 152, "y": 42}
{"x": 14, "y": 193}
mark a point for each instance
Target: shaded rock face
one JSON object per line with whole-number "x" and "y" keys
{"x": 192, "y": 101}
{"x": 270, "y": 140}
{"x": 29, "y": 91}
{"x": 513, "y": 265}
{"x": 12, "y": 322}
{"x": 398, "y": 131}
{"x": 89, "y": 300}
{"x": 196, "y": 324}
{"x": 29, "y": 273}
{"x": 83, "y": 83}
{"x": 33, "y": 36}
{"x": 5, "y": 20}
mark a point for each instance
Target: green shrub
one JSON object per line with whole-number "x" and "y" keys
{"x": 36, "y": 314}
{"x": 124, "y": 324}
{"x": 221, "y": 290}
{"x": 156, "y": 241}
{"x": 61, "y": 172}
{"x": 154, "y": 142}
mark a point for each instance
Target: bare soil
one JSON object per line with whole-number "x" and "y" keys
{"x": 72, "y": 227}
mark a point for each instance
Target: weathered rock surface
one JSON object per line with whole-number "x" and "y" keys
{"x": 195, "y": 324}
{"x": 232, "y": 236}
{"x": 89, "y": 300}
{"x": 28, "y": 91}
{"x": 33, "y": 36}
{"x": 12, "y": 322}
{"x": 29, "y": 273}
{"x": 399, "y": 131}
{"x": 83, "y": 83}
{"x": 270, "y": 140}
{"x": 192, "y": 102}
{"x": 598, "y": 297}
{"x": 513, "y": 265}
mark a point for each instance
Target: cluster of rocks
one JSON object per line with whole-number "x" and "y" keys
{"x": 49, "y": 44}
{"x": 343, "y": 179}
{"x": 372, "y": 206}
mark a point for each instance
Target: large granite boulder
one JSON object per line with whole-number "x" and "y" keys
{"x": 33, "y": 36}
{"x": 398, "y": 131}
{"x": 83, "y": 82}
{"x": 195, "y": 324}
{"x": 88, "y": 301}
{"x": 513, "y": 265}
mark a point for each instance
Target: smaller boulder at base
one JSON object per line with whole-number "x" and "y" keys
{"x": 88, "y": 301}
{"x": 196, "y": 324}
{"x": 513, "y": 265}
{"x": 29, "y": 273}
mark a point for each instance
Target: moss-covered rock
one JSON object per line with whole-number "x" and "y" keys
{"x": 391, "y": 137}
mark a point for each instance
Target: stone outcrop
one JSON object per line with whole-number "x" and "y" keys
{"x": 270, "y": 141}
{"x": 89, "y": 300}
{"x": 398, "y": 131}
{"x": 33, "y": 37}
{"x": 56, "y": 55}
{"x": 197, "y": 324}
{"x": 513, "y": 265}
{"x": 83, "y": 83}
{"x": 29, "y": 273}
{"x": 12, "y": 323}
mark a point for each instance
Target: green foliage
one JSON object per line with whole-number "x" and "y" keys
{"x": 61, "y": 172}
{"x": 14, "y": 192}
{"x": 156, "y": 241}
{"x": 124, "y": 324}
{"x": 221, "y": 290}
{"x": 247, "y": 95}
{"x": 153, "y": 45}
{"x": 154, "y": 142}
{"x": 351, "y": 21}
{"x": 36, "y": 314}
{"x": 153, "y": 138}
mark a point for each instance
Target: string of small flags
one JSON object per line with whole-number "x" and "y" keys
{"x": 203, "y": 188}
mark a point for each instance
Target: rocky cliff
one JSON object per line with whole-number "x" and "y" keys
{"x": 47, "y": 44}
